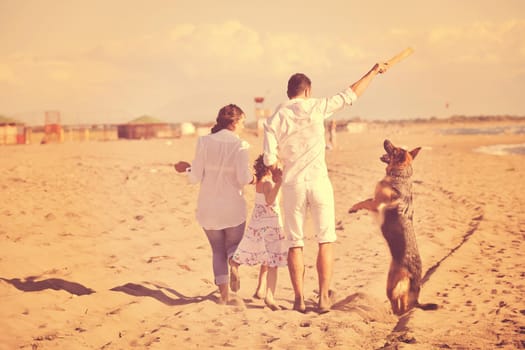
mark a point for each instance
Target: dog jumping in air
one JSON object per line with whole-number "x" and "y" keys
{"x": 393, "y": 202}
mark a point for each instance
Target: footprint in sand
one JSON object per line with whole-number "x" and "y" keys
{"x": 237, "y": 303}
{"x": 157, "y": 258}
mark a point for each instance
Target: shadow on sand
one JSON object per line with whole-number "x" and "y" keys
{"x": 139, "y": 290}
{"x": 30, "y": 285}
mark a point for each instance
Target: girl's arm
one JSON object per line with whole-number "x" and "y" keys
{"x": 270, "y": 189}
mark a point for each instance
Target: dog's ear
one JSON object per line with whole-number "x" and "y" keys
{"x": 388, "y": 146}
{"x": 385, "y": 158}
{"x": 414, "y": 152}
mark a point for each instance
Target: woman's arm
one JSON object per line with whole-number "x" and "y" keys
{"x": 196, "y": 172}
{"x": 242, "y": 167}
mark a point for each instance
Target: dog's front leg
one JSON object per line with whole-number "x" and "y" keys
{"x": 368, "y": 204}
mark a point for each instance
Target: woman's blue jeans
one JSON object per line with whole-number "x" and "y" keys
{"x": 223, "y": 244}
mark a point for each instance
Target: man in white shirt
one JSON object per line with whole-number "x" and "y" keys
{"x": 295, "y": 135}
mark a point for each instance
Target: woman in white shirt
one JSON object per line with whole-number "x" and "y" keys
{"x": 222, "y": 167}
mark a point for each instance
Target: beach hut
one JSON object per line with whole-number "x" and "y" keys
{"x": 187, "y": 128}
{"x": 53, "y": 131}
{"x": 145, "y": 127}
{"x": 356, "y": 127}
{"x": 203, "y": 128}
{"x": 12, "y": 131}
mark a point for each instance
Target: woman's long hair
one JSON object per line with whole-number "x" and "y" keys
{"x": 227, "y": 117}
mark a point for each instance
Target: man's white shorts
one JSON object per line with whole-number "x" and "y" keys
{"x": 318, "y": 197}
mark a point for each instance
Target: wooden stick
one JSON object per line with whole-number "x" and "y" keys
{"x": 400, "y": 56}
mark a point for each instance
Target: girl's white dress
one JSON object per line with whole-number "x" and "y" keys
{"x": 264, "y": 241}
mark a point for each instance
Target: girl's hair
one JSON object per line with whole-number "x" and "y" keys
{"x": 260, "y": 169}
{"x": 227, "y": 117}
{"x": 297, "y": 84}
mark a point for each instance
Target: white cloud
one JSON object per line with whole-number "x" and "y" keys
{"x": 214, "y": 47}
{"x": 182, "y": 31}
{"x": 195, "y": 51}
{"x": 351, "y": 52}
{"x": 481, "y": 42}
{"x": 190, "y": 61}
{"x": 287, "y": 53}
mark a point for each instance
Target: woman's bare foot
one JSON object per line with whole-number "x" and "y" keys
{"x": 224, "y": 294}
{"x": 235, "y": 280}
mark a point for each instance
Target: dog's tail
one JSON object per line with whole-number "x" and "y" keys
{"x": 427, "y": 306}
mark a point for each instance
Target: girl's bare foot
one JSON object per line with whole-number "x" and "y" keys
{"x": 271, "y": 304}
{"x": 260, "y": 291}
{"x": 258, "y": 294}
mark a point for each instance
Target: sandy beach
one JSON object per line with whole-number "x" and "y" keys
{"x": 100, "y": 250}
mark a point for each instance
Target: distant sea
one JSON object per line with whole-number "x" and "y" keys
{"x": 496, "y": 130}
{"x": 502, "y": 149}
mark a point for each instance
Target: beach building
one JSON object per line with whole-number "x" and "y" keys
{"x": 204, "y": 128}
{"x": 146, "y": 127}
{"x": 356, "y": 127}
{"x": 12, "y": 132}
{"x": 187, "y": 129}
{"x": 261, "y": 114}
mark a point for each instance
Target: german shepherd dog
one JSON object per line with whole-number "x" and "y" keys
{"x": 393, "y": 202}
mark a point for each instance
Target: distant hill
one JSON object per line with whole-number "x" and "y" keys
{"x": 6, "y": 120}
{"x": 145, "y": 119}
{"x": 451, "y": 119}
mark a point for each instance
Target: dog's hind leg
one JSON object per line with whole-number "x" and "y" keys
{"x": 400, "y": 294}
{"x": 398, "y": 288}
{"x": 395, "y": 306}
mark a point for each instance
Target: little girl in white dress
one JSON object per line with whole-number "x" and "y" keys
{"x": 264, "y": 241}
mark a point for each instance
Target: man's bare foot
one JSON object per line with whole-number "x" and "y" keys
{"x": 325, "y": 303}
{"x": 235, "y": 280}
{"x": 299, "y": 305}
{"x": 323, "y": 309}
